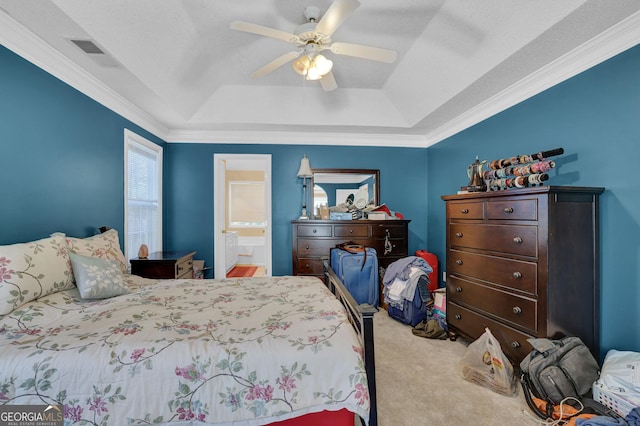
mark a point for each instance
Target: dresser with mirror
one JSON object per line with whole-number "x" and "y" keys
{"x": 313, "y": 239}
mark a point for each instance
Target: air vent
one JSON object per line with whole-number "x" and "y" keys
{"x": 95, "y": 53}
{"x": 88, "y": 46}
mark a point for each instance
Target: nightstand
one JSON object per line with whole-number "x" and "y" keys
{"x": 164, "y": 264}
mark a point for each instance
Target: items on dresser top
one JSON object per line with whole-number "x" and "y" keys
{"x": 165, "y": 265}
{"x": 524, "y": 263}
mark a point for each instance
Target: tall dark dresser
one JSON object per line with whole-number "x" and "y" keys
{"x": 524, "y": 263}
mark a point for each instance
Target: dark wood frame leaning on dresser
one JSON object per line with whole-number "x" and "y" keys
{"x": 361, "y": 317}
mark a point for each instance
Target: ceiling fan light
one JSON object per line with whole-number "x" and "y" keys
{"x": 313, "y": 73}
{"x": 322, "y": 64}
{"x": 301, "y": 65}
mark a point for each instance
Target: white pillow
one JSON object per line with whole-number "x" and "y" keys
{"x": 102, "y": 246}
{"x": 32, "y": 270}
{"x": 98, "y": 278}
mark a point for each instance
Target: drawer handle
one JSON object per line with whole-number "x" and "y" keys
{"x": 459, "y": 234}
{"x": 517, "y": 275}
{"x": 459, "y": 262}
{"x": 351, "y": 231}
{"x": 517, "y": 310}
{"x": 458, "y": 316}
{"x": 517, "y": 240}
{"x": 508, "y": 210}
{"x": 307, "y": 247}
{"x": 315, "y": 230}
{"x": 515, "y": 345}
{"x": 180, "y": 268}
{"x": 459, "y": 289}
{"x": 307, "y": 266}
{"x": 464, "y": 211}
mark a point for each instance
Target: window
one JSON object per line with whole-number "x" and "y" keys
{"x": 143, "y": 194}
{"x": 246, "y": 204}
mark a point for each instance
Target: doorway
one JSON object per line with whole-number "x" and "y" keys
{"x": 242, "y": 228}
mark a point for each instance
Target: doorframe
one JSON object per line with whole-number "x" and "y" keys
{"x": 220, "y": 209}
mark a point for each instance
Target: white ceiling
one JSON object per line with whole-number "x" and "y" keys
{"x": 178, "y": 70}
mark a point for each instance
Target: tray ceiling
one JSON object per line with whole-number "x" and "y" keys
{"x": 178, "y": 70}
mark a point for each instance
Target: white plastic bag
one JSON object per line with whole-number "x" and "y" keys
{"x": 485, "y": 364}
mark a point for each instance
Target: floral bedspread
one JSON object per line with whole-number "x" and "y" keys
{"x": 245, "y": 351}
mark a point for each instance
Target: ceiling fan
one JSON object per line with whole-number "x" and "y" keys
{"x": 313, "y": 37}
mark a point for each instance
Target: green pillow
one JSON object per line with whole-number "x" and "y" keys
{"x": 98, "y": 278}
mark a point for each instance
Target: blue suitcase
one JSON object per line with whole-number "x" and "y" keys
{"x": 361, "y": 280}
{"x": 414, "y": 312}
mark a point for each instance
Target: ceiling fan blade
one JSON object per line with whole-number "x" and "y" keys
{"x": 365, "y": 52}
{"x": 328, "y": 82}
{"x": 275, "y": 64}
{"x": 337, "y": 13}
{"x": 248, "y": 27}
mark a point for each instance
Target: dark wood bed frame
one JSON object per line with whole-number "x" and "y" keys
{"x": 361, "y": 317}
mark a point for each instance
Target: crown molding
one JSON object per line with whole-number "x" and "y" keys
{"x": 297, "y": 138}
{"x": 23, "y": 42}
{"x": 605, "y": 45}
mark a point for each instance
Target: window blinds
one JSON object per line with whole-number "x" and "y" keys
{"x": 143, "y": 197}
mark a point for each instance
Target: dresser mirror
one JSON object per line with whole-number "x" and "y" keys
{"x": 335, "y": 186}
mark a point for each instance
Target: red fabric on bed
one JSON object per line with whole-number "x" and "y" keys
{"x": 342, "y": 417}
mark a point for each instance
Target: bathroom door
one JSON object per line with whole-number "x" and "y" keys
{"x": 222, "y": 163}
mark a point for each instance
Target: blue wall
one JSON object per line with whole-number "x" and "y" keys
{"x": 595, "y": 117}
{"x": 189, "y": 190}
{"x": 65, "y": 154}
{"x": 61, "y": 169}
{"x": 61, "y": 157}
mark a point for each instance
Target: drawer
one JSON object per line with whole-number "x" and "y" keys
{"x": 517, "y": 310}
{"x": 472, "y": 324}
{"x": 310, "y": 266}
{"x": 314, "y": 247}
{"x": 398, "y": 248}
{"x": 314, "y": 230}
{"x": 380, "y": 231}
{"x": 384, "y": 262}
{"x": 351, "y": 231}
{"x": 184, "y": 268}
{"x": 466, "y": 210}
{"x": 512, "y": 209}
{"x": 514, "y": 239}
{"x": 516, "y": 274}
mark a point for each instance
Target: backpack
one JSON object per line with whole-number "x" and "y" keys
{"x": 558, "y": 369}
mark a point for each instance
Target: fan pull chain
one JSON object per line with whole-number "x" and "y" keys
{"x": 304, "y": 83}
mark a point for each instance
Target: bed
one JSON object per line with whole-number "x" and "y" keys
{"x": 76, "y": 331}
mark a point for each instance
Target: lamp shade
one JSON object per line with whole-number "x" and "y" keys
{"x": 322, "y": 64}
{"x": 305, "y": 168}
{"x": 301, "y": 65}
{"x": 314, "y": 67}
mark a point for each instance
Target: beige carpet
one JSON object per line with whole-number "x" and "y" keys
{"x": 418, "y": 383}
